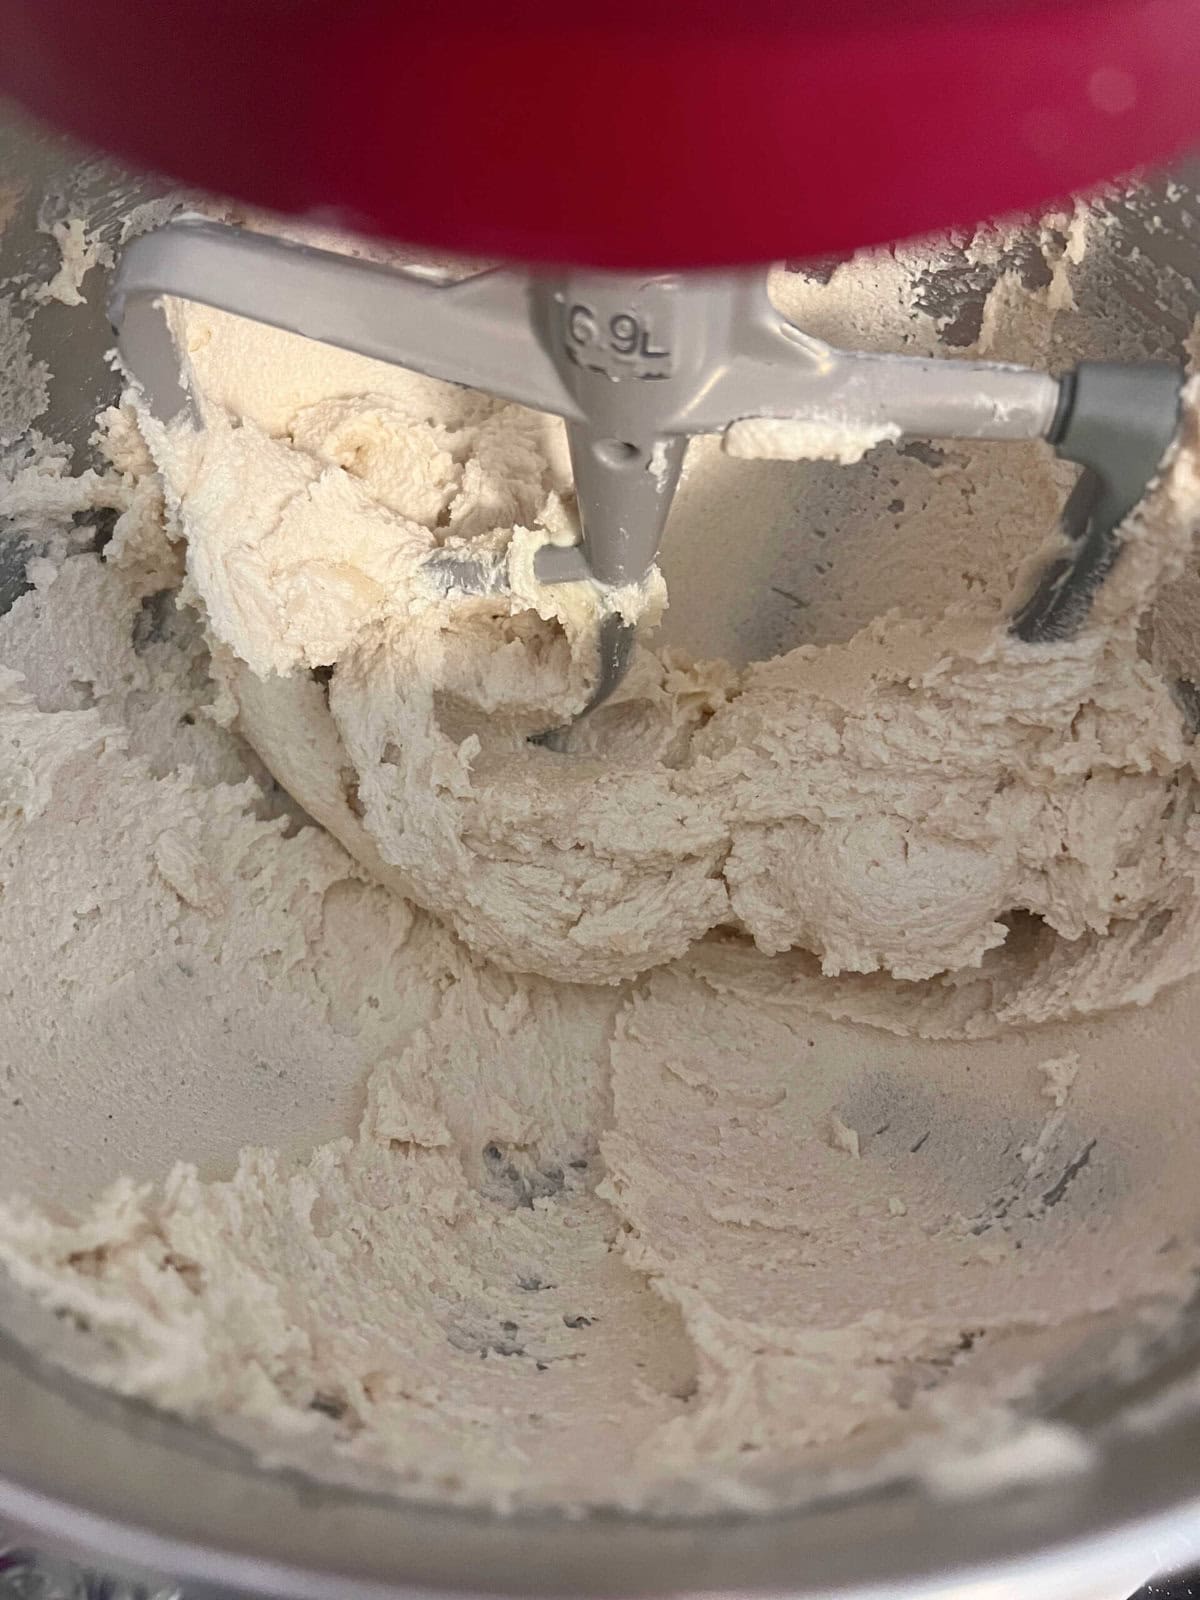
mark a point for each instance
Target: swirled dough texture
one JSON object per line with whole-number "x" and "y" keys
{"x": 658, "y": 1124}
{"x": 887, "y": 803}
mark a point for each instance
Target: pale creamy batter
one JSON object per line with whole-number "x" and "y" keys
{"x": 607, "y": 1136}
{"x": 882, "y": 804}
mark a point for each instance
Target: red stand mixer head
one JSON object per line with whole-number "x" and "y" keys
{"x": 627, "y": 134}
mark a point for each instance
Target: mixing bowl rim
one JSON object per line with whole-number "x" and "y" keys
{"x": 119, "y": 1485}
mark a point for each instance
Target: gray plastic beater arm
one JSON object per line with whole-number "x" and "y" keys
{"x": 475, "y": 331}
{"x": 762, "y": 365}
{"x": 927, "y": 399}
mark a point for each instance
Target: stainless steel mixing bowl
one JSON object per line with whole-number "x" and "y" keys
{"x": 122, "y": 1489}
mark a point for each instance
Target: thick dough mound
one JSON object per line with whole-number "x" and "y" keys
{"x": 886, "y": 803}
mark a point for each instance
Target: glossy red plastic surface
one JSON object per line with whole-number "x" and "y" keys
{"x": 629, "y": 134}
